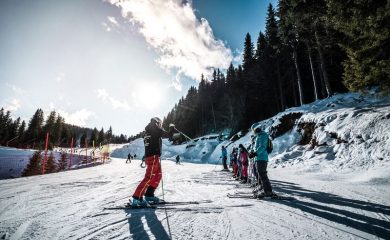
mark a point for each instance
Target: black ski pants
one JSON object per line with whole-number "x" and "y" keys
{"x": 224, "y": 159}
{"x": 262, "y": 178}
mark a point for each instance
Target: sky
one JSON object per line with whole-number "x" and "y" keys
{"x": 116, "y": 63}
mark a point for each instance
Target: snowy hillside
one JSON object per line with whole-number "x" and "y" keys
{"x": 342, "y": 133}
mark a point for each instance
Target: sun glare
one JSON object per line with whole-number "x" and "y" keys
{"x": 149, "y": 95}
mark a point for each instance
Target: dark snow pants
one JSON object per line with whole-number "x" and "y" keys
{"x": 262, "y": 178}
{"x": 224, "y": 163}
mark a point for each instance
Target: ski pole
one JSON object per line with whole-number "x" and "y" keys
{"x": 184, "y": 134}
{"x": 162, "y": 188}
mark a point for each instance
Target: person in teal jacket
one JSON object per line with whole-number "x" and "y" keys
{"x": 261, "y": 161}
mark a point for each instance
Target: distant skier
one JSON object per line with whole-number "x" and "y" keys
{"x": 224, "y": 158}
{"x": 233, "y": 162}
{"x": 177, "y": 159}
{"x": 143, "y": 162}
{"x": 129, "y": 157}
{"x": 261, "y": 161}
{"x": 243, "y": 158}
{"x": 153, "y": 143}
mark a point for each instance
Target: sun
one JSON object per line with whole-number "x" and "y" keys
{"x": 148, "y": 95}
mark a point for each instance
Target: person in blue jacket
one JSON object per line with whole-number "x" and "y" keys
{"x": 261, "y": 161}
{"x": 224, "y": 158}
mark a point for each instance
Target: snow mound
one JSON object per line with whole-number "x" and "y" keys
{"x": 344, "y": 132}
{"x": 136, "y": 147}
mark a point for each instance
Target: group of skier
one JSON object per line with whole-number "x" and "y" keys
{"x": 255, "y": 157}
{"x": 239, "y": 163}
{"x": 241, "y": 158}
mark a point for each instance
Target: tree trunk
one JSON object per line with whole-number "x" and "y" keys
{"x": 299, "y": 81}
{"x": 282, "y": 100}
{"x": 322, "y": 62}
{"x": 215, "y": 124}
{"x": 294, "y": 94}
{"x": 323, "y": 91}
{"x": 312, "y": 72}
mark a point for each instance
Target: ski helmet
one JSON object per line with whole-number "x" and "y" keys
{"x": 156, "y": 120}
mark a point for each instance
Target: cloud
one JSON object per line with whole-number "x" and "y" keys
{"x": 12, "y": 105}
{"x": 237, "y": 60}
{"x": 102, "y": 94}
{"x": 115, "y": 103}
{"x": 78, "y": 118}
{"x": 110, "y": 24}
{"x": 119, "y": 104}
{"x": 113, "y": 20}
{"x": 16, "y": 89}
{"x": 106, "y": 27}
{"x": 60, "y": 77}
{"x": 185, "y": 44}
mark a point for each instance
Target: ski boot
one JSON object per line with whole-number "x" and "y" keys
{"x": 267, "y": 195}
{"x": 257, "y": 189}
{"x": 138, "y": 203}
{"x": 152, "y": 200}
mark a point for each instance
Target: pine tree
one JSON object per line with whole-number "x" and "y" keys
{"x": 101, "y": 137}
{"x": 13, "y": 132}
{"x": 66, "y": 136}
{"x": 248, "y": 55}
{"x": 109, "y": 134}
{"x": 34, "y": 130}
{"x": 364, "y": 26}
{"x": 82, "y": 139}
{"x": 49, "y": 127}
{"x": 290, "y": 37}
{"x": 51, "y": 164}
{"x": 57, "y": 131}
{"x": 22, "y": 132}
{"x": 63, "y": 162}
{"x": 94, "y": 137}
{"x": 34, "y": 165}
{"x": 2, "y": 124}
{"x": 7, "y": 127}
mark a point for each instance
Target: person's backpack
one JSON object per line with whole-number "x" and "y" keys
{"x": 270, "y": 146}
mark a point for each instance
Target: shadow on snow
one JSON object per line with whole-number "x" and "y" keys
{"x": 321, "y": 206}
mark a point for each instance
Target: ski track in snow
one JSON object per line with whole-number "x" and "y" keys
{"x": 70, "y": 205}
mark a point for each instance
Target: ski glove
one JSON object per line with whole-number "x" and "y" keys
{"x": 252, "y": 154}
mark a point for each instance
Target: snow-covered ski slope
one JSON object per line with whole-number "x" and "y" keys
{"x": 340, "y": 179}
{"x": 70, "y": 205}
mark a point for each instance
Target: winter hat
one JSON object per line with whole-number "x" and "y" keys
{"x": 256, "y": 127}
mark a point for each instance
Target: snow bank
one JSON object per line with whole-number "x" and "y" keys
{"x": 349, "y": 132}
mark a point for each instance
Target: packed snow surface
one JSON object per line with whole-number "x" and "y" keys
{"x": 71, "y": 205}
